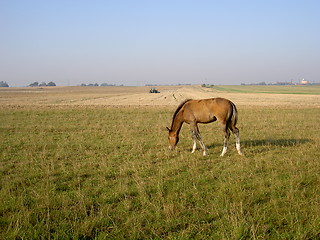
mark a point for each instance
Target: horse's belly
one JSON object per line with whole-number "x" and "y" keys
{"x": 207, "y": 119}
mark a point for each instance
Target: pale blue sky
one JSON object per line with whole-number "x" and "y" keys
{"x": 133, "y": 42}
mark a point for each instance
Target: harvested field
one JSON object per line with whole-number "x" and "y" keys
{"x": 140, "y": 96}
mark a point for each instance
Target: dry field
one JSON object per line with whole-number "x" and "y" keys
{"x": 140, "y": 96}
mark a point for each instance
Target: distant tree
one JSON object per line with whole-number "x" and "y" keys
{"x": 90, "y": 85}
{"x": 43, "y": 84}
{"x": 35, "y": 84}
{"x": 3, "y": 84}
{"x": 51, "y": 84}
{"x": 107, "y": 85}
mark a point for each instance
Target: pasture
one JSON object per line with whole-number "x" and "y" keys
{"x": 75, "y": 166}
{"x": 285, "y": 89}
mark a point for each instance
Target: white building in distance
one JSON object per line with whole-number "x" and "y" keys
{"x": 304, "y": 82}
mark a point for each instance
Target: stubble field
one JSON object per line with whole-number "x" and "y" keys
{"x": 93, "y": 163}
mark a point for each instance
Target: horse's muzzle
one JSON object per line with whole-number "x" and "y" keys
{"x": 171, "y": 148}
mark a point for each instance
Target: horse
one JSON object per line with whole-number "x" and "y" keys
{"x": 205, "y": 111}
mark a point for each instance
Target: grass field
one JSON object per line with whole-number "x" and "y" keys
{"x": 97, "y": 172}
{"x": 289, "y": 89}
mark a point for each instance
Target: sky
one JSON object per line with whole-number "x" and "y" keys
{"x": 138, "y": 42}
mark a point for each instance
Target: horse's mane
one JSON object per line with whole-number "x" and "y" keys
{"x": 178, "y": 109}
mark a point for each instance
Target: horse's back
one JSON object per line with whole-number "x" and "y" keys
{"x": 208, "y": 110}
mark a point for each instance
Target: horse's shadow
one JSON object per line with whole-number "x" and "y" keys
{"x": 286, "y": 142}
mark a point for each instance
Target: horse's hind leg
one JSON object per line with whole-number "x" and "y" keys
{"x": 237, "y": 135}
{"x": 235, "y": 131}
{"x": 225, "y": 141}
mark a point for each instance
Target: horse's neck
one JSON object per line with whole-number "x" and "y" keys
{"x": 177, "y": 123}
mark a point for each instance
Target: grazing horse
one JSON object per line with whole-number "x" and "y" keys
{"x": 209, "y": 110}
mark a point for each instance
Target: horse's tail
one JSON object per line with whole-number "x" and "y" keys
{"x": 233, "y": 116}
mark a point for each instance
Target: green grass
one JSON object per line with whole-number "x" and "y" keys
{"x": 106, "y": 173}
{"x": 289, "y": 89}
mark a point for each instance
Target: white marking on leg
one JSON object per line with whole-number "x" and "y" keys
{"x": 203, "y": 147}
{"x": 198, "y": 136}
{"x": 194, "y": 146}
{"x": 238, "y": 147}
{"x": 225, "y": 143}
{"x": 224, "y": 150}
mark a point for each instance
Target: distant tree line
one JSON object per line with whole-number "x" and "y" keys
{"x": 264, "y": 84}
{"x": 207, "y": 85}
{"x": 4, "y": 84}
{"x": 43, "y": 84}
{"x": 301, "y": 82}
{"x": 97, "y": 85}
{"x": 90, "y": 85}
{"x": 179, "y": 84}
{"x": 260, "y": 83}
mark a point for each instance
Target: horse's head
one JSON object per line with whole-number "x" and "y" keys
{"x": 173, "y": 139}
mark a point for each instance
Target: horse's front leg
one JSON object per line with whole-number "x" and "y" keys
{"x": 196, "y": 135}
{"x": 194, "y": 139}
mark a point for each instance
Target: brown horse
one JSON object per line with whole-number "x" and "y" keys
{"x": 209, "y": 110}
